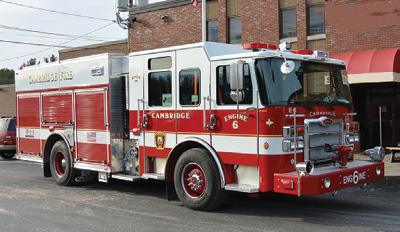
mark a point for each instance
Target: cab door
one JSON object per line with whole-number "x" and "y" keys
{"x": 159, "y": 110}
{"x": 235, "y": 134}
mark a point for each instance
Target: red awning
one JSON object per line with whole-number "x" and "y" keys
{"x": 380, "y": 65}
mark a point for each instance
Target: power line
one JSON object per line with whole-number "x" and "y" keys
{"x": 36, "y": 44}
{"x": 58, "y": 12}
{"x": 44, "y": 32}
{"x": 56, "y": 45}
{"x": 49, "y": 37}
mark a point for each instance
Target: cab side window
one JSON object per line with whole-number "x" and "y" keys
{"x": 224, "y": 89}
{"x": 189, "y": 87}
{"x": 160, "y": 81}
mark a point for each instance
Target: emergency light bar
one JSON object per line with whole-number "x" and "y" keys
{"x": 285, "y": 47}
{"x": 317, "y": 54}
{"x": 321, "y": 54}
{"x": 303, "y": 52}
{"x": 258, "y": 46}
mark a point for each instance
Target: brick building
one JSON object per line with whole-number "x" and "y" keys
{"x": 365, "y": 33}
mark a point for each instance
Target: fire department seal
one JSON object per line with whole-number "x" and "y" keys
{"x": 160, "y": 140}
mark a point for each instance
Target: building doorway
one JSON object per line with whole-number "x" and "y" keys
{"x": 368, "y": 99}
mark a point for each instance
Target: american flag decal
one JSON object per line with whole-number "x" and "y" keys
{"x": 91, "y": 137}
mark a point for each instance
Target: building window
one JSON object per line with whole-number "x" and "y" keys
{"x": 235, "y": 30}
{"x": 288, "y": 23}
{"x": 189, "y": 87}
{"x": 316, "y": 19}
{"x": 212, "y": 30}
{"x": 224, "y": 86}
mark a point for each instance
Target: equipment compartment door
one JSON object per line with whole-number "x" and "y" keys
{"x": 92, "y": 126}
{"x": 28, "y": 125}
{"x": 57, "y": 108}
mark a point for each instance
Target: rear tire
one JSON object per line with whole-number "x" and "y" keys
{"x": 7, "y": 155}
{"x": 61, "y": 164}
{"x": 197, "y": 180}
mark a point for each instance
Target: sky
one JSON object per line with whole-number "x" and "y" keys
{"x": 17, "y": 24}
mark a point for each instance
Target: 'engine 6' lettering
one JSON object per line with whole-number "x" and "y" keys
{"x": 354, "y": 178}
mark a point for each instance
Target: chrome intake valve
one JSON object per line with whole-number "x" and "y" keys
{"x": 377, "y": 154}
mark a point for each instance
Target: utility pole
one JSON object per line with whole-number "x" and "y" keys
{"x": 204, "y": 21}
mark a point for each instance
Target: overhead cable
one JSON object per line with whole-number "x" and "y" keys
{"x": 36, "y": 44}
{"x": 53, "y": 11}
{"x": 44, "y": 32}
{"x": 57, "y": 45}
{"x": 50, "y": 37}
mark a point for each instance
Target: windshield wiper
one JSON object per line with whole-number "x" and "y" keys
{"x": 302, "y": 103}
{"x": 329, "y": 106}
{"x": 343, "y": 104}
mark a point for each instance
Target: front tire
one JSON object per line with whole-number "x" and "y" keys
{"x": 7, "y": 155}
{"x": 197, "y": 180}
{"x": 61, "y": 164}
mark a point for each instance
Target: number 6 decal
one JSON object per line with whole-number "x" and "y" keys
{"x": 235, "y": 125}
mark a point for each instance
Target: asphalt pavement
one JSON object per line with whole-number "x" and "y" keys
{"x": 30, "y": 202}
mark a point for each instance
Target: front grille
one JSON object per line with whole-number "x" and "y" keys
{"x": 317, "y": 133}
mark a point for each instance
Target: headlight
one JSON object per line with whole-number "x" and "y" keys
{"x": 288, "y": 131}
{"x": 288, "y": 145}
{"x": 352, "y": 138}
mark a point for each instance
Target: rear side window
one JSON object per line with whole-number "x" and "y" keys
{"x": 160, "y": 63}
{"x": 3, "y": 125}
{"x": 7, "y": 125}
{"x": 160, "y": 87}
{"x": 189, "y": 87}
{"x": 11, "y": 125}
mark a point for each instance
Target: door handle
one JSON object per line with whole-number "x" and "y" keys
{"x": 145, "y": 118}
{"x": 213, "y": 121}
{"x": 206, "y": 99}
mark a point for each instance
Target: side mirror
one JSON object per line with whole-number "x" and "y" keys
{"x": 287, "y": 67}
{"x": 236, "y": 76}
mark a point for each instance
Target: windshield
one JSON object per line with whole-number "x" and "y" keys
{"x": 308, "y": 84}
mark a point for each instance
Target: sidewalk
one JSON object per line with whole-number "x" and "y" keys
{"x": 392, "y": 173}
{"x": 391, "y": 169}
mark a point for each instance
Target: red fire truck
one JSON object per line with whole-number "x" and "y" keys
{"x": 206, "y": 118}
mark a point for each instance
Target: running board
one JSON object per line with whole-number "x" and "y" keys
{"x": 244, "y": 188}
{"x": 155, "y": 176}
{"x": 32, "y": 158}
{"x": 92, "y": 167}
{"x": 125, "y": 177}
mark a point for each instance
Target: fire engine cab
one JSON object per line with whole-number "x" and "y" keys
{"x": 206, "y": 118}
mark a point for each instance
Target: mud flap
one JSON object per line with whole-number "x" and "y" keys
{"x": 46, "y": 169}
{"x": 170, "y": 191}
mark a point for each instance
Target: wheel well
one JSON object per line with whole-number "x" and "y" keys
{"x": 174, "y": 156}
{"x": 47, "y": 150}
